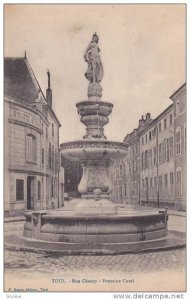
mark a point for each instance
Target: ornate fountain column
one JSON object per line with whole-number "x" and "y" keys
{"x": 94, "y": 152}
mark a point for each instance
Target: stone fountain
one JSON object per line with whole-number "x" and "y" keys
{"x": 95, "y": 225}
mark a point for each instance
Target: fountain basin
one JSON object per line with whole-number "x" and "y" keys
{"x": 95, "y": 149}
{"x": 98, "y": 230}
{"x": 86, "y": 108}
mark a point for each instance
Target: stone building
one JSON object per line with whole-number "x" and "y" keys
{"x": 31, "y": 132}
{"x": 157, "y": 161}
{"x": 125, "y": 173}
{"x": 154, "y": 171}
{"x": 180, "y": 159}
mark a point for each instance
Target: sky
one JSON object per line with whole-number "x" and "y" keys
{"x": 142, "y": 52}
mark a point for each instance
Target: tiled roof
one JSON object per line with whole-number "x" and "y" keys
{"x": 20, "y": 82}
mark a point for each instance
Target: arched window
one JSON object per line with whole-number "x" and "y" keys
{"x": 178, "y": 141}
{"x": 31, "y": 148}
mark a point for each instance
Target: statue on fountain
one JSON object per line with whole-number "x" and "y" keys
{"x": 95, "y": 70}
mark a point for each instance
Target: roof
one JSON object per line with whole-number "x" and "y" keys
{"x": 175, "y": 92}
{"x": 20, "y": 82}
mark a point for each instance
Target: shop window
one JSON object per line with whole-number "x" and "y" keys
{"x": 19, "y": 189}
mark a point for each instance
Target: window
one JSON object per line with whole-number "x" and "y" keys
{"x": 120, "y": 171}
{"x": 155, "y": 154}
{"x": 19, "y": 189}
{"x": 142, "y": 140}
{"x": 165, "y": 123}
{"x": 53, "y": 158}
{"x": 52, "y": 188}
{"x": 125, "y": 190}
{"x": 171, "y": 178}
{"x": 178, "y": 141}
{"x": 160, "y": 181}
{"x": 177, "y": 108}
{"x": 52, "y": 129}
{"x": 146, "y": 138}
{"x": 146, "y": 159}
{"x": 150, "y": 158}
{"x": 120, "y": 191}
{"x": 166, "y": 180}
{"x": 133, "y": 164}
{"x": 46, "y": 133}
{"x": 159, "y": 127}
{"x": 165, "y": 150}
{"x": 42, "y": 156}
{"x": 178, "y": 182}
{"x": 150, "y": 136}
{"x": 171, "y": 146}
{"x": 160, "y": 152}
{"x": 49, "y": 155}
{"x": 31, "y": 148}
{"x": 171, "y": 119}
{"x": 155, "y": 181}
{"x": 143, "y": 184}
{"x": 42, "y": 128}
{"x": 142, "y": 161}
{"x": 39, "y": 190}
{"x": 151, "y": 182}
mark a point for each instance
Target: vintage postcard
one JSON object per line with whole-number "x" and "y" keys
{"x": 94, "y": 148}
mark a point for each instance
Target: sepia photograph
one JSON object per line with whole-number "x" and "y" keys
{"x": 95, "y": 148}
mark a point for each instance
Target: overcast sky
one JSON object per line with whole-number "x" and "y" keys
{"x": 142, "y": 51}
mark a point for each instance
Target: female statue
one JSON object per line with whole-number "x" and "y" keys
{"x": 95, "y": 69}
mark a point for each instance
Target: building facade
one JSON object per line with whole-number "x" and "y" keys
{"x": 31, "y": 132}
{"x": 154, "y": 171}
{"x": 157, "y": 161}
{"x": 125, "y": 173}
{"x": 180, "y": 152}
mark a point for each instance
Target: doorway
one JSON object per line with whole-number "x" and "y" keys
{"x": 30, "y": 193}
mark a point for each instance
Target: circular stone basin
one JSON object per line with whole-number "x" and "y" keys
{"x": 67, "y": 233}
{"x": 93, "y": 149}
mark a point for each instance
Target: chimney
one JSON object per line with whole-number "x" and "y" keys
{"x": 49, "y": 91}
{"x": 148, "y": 116}
{"x": 141, "y": 121}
